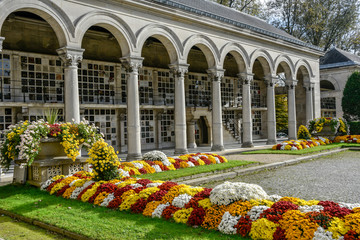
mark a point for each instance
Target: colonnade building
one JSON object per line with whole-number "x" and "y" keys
{"x": 154, "y": 74}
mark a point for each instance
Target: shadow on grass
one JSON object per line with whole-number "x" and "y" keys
{"x": 93, "y": 221}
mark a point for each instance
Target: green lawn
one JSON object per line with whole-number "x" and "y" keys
{"x": 168, "y": 175}
{"x": 95, "y": 222}
{"x": 304, "y": 151}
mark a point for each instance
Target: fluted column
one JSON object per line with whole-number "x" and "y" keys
{"x": 309, "y": 88}
{"x": 271, "y": 114}
{"x": 1, "y": 43}
{"x": 71, "y": 58}
{"x": 132, "y": 65}
{"x": 216, "y": 75}
{"x": 291, "y": 84}
{"x": 246, "y": 79}
{"x": 180, "y": 108}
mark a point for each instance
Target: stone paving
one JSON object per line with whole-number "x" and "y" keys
{"x": 334, "y": 177}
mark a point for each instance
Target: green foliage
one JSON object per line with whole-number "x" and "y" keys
{"x": 51, "y": 115}
{"x": 303, "y": 133}
{"x": 351, "y": 98}
{"x": 321, "y": 23}
{"x": 281, "y": 108}
{"x": 354, "y": 128}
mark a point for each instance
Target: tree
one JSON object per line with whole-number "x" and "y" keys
{"x": 351, "y": 98}
{"x": 321, "y": 23}
{"x": 281, "y": 108}
{"x": 252, "y": 7}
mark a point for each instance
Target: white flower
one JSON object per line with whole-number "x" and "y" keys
{"x": 313, "y": 208}
{"x": 322, "y": 234}
{"x": 190, "y": 164}
{"x": 157, "y": 168}
{"x": 138, "y": 165}
{"x": 107, "y": 200}
{"x": 123, "y": 172}
{"x": 350, "y": 206}
{"x": 229, "y": 192}
{"x": 181, "y": 200}
{"x": 227, "y": 223}
{"x": 136, "y": 185}
{"x": 153, "y": 185}
{"x": 274, "y": 198}
{"x": 255, "y": 212}
{"x": 158, "y": 211}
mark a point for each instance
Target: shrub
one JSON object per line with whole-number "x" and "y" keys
{"x": 303, "y": 133}
{"x": 354, "y": 128}
{"x": 351, "y": 98}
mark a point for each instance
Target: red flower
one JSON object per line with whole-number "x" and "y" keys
{"x": 139, "y": 206}
{"x": 169, "y": 211}
{"x": 143, "y": 182}
{"x": 167, "y": 185}
{"x": 157, "y": 196}
{"x": 243, "y": 226}
{"x": 283, "y": 206}
{"x": 204, "y": 194}
{"x": 120, "y": 191}
{"x": 279, "y": 234}
{"x": 143, "y": 171}
{"x": 196, "y": 217}
{"x": 272, "y": 214}
{"x": 62, "y": 190}
{"x": 115, "y": 203}
{"x": 83, "y": 191}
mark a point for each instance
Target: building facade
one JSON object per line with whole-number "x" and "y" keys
{"x": 335, "y": 68}
{"x": 153, "y": 73}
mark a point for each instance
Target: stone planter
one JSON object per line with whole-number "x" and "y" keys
{"x": 50, "y": 162}
{"x": 326, "y": 132}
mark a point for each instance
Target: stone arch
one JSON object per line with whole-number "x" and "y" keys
{"x": 303, "y": 65}
{"x": 206, "y": 45}
{"x": 165, "y": 35}
{"x": 114, "y": 24}
{"x": 238, "y": 52}
{"x": 331, "y": 81}
{"x": 265, "y": 60}
{"x": 285, "y": 62}
{"x": 48, "y": 10}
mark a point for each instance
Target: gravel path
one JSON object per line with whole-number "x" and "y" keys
{"x": 262, "y": 158}
{"x": 335, "y": 178}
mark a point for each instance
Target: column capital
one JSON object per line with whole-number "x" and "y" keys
{"x": 309, "y": 86}
{"x": 179, "y": 70}
{"x": 1, "y": 43}
{"x": 246, "y": 78}
{"x": 216, "y": 74}
{"x": 131, "y": 64}
{"x": 271, "y": 80}
{"x": 70, "y": 56}
{"x": 291, "y": 83}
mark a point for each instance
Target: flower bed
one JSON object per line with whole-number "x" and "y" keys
{"x": 134, "y": 168}
{"x": 229, "y": 208}
{"x": 347, "y": 139}
{"x": 301, "y": 144}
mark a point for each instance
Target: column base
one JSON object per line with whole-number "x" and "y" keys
{"x": 192, "y": 145}
{"x": 133, "y": 156}
{"x": 217, "y": 148}
{"x": 181, "y": 151}
{"x": 271, "y": 142}
{"x": 247, "y": 145}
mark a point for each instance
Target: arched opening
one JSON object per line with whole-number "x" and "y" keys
{"x": 156, "y": 88}
{"x": 283, "y": 72}
{"x": 30, "y": 69}
{"x": 198, "y": 92}
{"x": 328, "y": 98}
{"x": 303, "y": 77}
{"x": 261, "y": 70}
{"x": 231, "y": 96}
{"x": 326, "y": 85}
{"x": 101, "y": 81}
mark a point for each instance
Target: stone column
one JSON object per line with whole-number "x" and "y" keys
{"x": 246, "y": 109}
{"x": 1, "y": 43}
{"x": 291, "y": 84}
{"x": 271, "y": 114}
{"x": 238, "y": 120}
{"x": 216, "y": 75}
{"x": 71, "y": 57}
{"x": 132, "y": 65}
{"x": 191, "y": 134}
{"x": 309, "y": 101}
{"x": 180, "y": 108}
{"x": 158, "y": 141}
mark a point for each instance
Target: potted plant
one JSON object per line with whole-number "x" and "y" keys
{"x": 328, "y": 127}
{"x": 47, "y": 149}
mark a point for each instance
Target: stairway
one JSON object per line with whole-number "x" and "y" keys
{"x": 232, "y": 128}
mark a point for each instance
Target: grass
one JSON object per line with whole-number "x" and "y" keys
{"x": 168, "y": 175}
{"x": 95, "y": 222}
{"x": 303, "y": 151}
